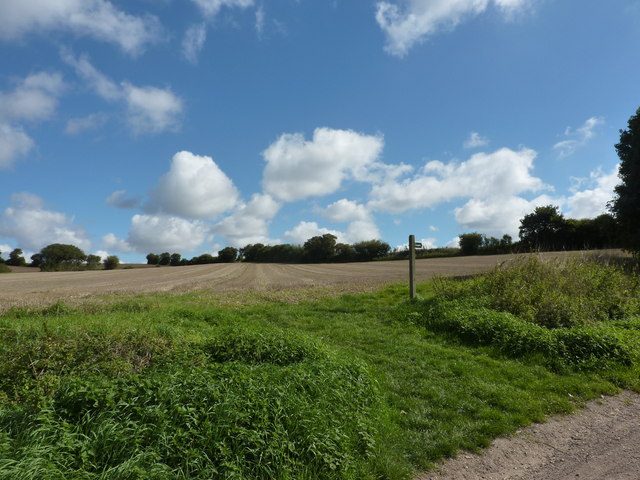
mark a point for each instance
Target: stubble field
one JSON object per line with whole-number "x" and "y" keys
{"x": 29, "y": 287}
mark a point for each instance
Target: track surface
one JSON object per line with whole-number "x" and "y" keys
{"x": 42, "y": 288}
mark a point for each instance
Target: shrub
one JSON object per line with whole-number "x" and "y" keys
{"x": 111, "y": 262}
{"x": 4, "y": 268}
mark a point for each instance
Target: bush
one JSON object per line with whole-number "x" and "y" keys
{"x": 4, "y": 268}
{"x": 111, "y": 262}
{"x": 552, "y": 293}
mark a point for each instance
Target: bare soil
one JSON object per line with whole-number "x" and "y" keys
{"x": 601, "y": 442}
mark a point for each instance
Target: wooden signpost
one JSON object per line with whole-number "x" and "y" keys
{"x": 412, "y": 266}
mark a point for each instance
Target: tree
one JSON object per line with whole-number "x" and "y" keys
{"x": 174, "y": 260}
{"x": 626, "y": 204}
{"x": 320, "y": 248}
{"x": 36, "y": 260}
{"x": 370, "y": 249}
{"x": 16, "y": 259}
{"x": 153, "y": 259}
{"x": 228, "y": 255}
{"x": 1, "y": 259}
{"x": 203, "y": 259}
{"x": 165, "y": 258}
{"x": 93, "y": 261}
{"x": 470, "y": 243}
{"x": 111, "y": 262}
{"x": 544, "y": 229}
{"x": 60, "y": 256}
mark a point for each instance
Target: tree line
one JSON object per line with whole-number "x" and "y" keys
{"x": 61, "y": 257}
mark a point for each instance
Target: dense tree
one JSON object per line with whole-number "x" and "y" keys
{"x": 228, "y": 255}
{"x": 344, "y": 253}
{"x": 1, "y": 259}
{"x": 165, "y": 258}
{"x": 174, "y": 259}
{"x": 153, "y": 259}
{"x": 321, "y": 248}
{"x": 544, "y": 229}
{"x": 203, "y": 259}
{"x": 251, "y": 252}
{"x": 470, "y": 243}
{"x": 60, "y": 256}
{"x": 626, "y": 204}
{"x": 36, "y": 260}
{"x": 93, "y": 261}
{"x": 111, "y": 262}
{"x": 370, "y": 249}
{"x": 16, "y": 259}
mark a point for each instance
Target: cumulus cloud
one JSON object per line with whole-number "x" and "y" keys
{"x": 193, "y": 41}
{"x": 305, "y": 230}
{"x": 194, "y": 187}
{"x": 298, "y": 168}
{"x": 476, "y": 140}
{"x": 362, "y": 225}
{"x": 210, "y": 8}
{"x": 159, "y": 233}
{"x": 577, "y": 138}
{"x": 121, "y": 199}
{"x": 418, "y": 19}
{"x": 14, "y": 143}
{"x": 149, "y": 109}
{"x": 502, "y": 173}
{"x": 99, "y": 19}
{"x": 93, "y": 121}
{"x": 249, "y": 223}
{"x": 591, "y": 202}
{"x": 33, "y": 226}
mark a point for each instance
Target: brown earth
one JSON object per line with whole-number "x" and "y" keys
{"x": 42, "y": 288}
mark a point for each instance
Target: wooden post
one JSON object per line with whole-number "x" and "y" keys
{"x": 412, "y": 266}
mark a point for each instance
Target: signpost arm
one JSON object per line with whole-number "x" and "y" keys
{"x": 412, "y": 266}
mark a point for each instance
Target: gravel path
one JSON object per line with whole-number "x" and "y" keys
{"x": 601, "y": 442}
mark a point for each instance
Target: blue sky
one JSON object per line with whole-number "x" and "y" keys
{"x": 129, "y": 127}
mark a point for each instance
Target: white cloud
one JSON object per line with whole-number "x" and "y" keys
{"x": 5, "y": 250}
{"x": 14, "y": 143}
{"x": 159, "y": 233}
{"x": 121, "y": 199}
{"x": 362, "y": 225}
{"x": 305, "y": 230}
{"x": 210, "y": 8}
{"x": 418, "y": 19}
{"x": 34, "y": 98}
{"x": 151, "y": 109}
{"x": 193, "y": 41}
{"x": 590, "y": 203}
{"x": 34, "y": 227}
{"x": 260, "y": 20}
{"x": 427, "y": 243}
{"x": 577, "y": 138}
{"x": 102, "y": 254}
{"x": 99, "y": 19}
{"x": 502, "y": 173}
{"x": 90, "y": 122}
{"x": 476, "y": 140}
{"x": 97, "y": 80}
{"x": 433, "y": 228}
{"x": 297, "y": 168}
{"x": 194, "y": 187}
{"x": 249, "y": 223}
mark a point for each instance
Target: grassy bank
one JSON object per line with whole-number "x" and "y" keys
{"x": 361, "y": 386}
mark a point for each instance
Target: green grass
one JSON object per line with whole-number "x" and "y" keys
{"x": 355, "y": 387}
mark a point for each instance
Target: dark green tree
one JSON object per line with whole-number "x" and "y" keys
{"x": 60, "y": 256}
{"x": 93, "y": 261}
{"x": 174, "y": 260}
{"x": 321, "y": 248}
{"x": 111, "y": 262}
{"x": 153, "y": 259}
{"x": 36, "y": 260}
{"x": 1, "y": 259}
{"x": 370, "y": 249}
{"x": 165, "y": 258}
{"x": 16, "y": 259}
{"x": 470, "y": 243}
{"x": 228, "y": 255}
{"x": 544, "y": 229}
{"x": 626, "y": 204}
{"x": 203, "y": 259}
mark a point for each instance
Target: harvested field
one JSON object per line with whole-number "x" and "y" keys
{"x": 42, "y": 288}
